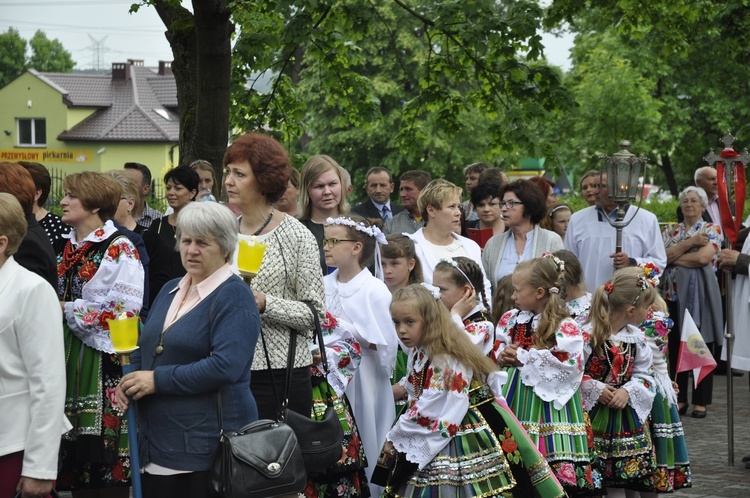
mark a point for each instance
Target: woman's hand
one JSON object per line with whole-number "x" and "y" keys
{"x": 619, "y": 400}
{"x": 389, "y": 451}
{"x": 136, "y": 385}
{"x": 34, "y": 488}
{"x": 509, "y": 356}
{"x": 699, "y": 240}
{"x": 467, "y": 303}
{"x": 260, "y": 300}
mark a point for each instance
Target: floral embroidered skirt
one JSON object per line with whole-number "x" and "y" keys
{"x": 562, "y": 436}
{"x": 347, "y": 478}
{"x": 625, "y": 446}
{"x": 490, "y": 455}
{"x": 672, "y": 464}
{"x": 95, "y": 453}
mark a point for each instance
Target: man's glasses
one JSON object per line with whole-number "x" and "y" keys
{"x": 332, "y": 242}
{"x": 510, "y": 204}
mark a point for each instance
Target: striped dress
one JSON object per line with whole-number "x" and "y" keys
{"x": 545, "y": 395}
{"x": 622, "y": 437}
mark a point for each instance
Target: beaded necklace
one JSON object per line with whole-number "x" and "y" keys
{"x": 419, "y": 380}
{"x": 524, "y": 335}
{"x": 71, "y": 257}
{"x": 617, "y": 357}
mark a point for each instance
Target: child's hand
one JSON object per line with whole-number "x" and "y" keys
{"x": 620, "y": 399}
{"x": 675, "y": 387}
{"x": 606, "y": 395}
{"x": 467, "y": 303}
{"x": 398, "y": 391}
{"x": 509, "y": 356}
{"x": 388, "y": 451}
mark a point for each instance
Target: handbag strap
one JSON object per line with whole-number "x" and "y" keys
{"x": 321, "y": 346}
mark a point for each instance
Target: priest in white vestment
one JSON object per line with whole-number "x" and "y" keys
{"x": 739, "y": 262}
{"x": 592, "y": 239}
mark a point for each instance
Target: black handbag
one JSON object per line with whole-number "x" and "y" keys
{"x": 261, "y": 460}
{"x": 321, "y": 441}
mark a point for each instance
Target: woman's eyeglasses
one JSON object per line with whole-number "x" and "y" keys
{"x": 510, "y": 204}
{"x": 332, "y": 242}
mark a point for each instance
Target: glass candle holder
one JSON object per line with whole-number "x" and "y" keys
{"x": 124, "y": 334}
{"x": 250, "y": 257}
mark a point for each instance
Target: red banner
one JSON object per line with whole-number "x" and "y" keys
{"x": 731, "y": 223}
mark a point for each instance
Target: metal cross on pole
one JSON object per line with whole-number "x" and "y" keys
{"x": 727, "y": 163}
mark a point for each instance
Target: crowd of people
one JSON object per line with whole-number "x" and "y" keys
{"x": 493, "y": 347}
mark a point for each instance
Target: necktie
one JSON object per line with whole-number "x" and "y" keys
{"x": 386, "y": 213}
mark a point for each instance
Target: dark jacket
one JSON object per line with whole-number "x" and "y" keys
{"x": 368, "y": 210}
{"x": 36, "y": 254}
{"x": 209, "y": 349}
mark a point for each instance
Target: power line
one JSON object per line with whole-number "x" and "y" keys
{"x": 49, "y": 3}
{"x": 139, "y": 29}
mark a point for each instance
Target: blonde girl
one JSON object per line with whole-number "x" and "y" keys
{"x": 455, "y": 438}
{"x": 542, "y": 352}
{"x": 618, "y": 385}
{"x": 573, "y": 292}
{"x": 459, "y": 281}
{"x": 355, "y": 296}
{"x": 672, "y": 463}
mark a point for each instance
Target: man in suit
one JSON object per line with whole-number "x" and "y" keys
{"x": 705, "y": 178}
{"x": 379, "y": 185}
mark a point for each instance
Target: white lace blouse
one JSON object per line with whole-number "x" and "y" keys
{"x": 555, "y": 373}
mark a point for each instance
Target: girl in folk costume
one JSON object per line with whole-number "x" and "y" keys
{"x": 577, "y": 300}
{"x": 355, "y": 296}
{"x": 502, "y": 301}
{"x": 455, "y": 438}
{"x": 343, "y": 353}
{"x": 458, "y": 279}
{"x": 672, "y": 463}
{"x": 401, "y": 267}
{"x": 542, "y": 352}
{"x": 618, "y": 386}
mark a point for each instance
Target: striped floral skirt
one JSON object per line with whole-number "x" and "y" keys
{"x": 562, "y": 436}
{"x": 347, "y": 478}
{"x": 490, "y": 455}
{"x": 624, "y": 444}
{"x": 672, "y": 463}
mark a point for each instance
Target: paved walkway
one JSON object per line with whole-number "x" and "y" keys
{"x": 707, "y": 445}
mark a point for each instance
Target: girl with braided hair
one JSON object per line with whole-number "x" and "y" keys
{"x": 573, "y": 292}
{"x": 459, "y": 281}
{"x": 541, "y": 349}
{"x": 618, "y": 385}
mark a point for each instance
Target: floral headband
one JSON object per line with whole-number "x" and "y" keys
{"x": 454, "y": 264}
{"x": 371, "y": 231}
{"x": 433, "y": 290}
{"x": 559, "y": 264}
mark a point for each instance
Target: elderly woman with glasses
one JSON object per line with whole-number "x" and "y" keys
{"x": 690, "y": 284}
{"x": 523, "y": 206}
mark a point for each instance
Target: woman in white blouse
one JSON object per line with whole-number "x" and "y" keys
{"x": 439, "y": 203}
{"x": 32, "y": 366}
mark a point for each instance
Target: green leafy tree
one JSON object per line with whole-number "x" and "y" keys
{"x": 12, "y": 56}
{"x": 49, "y": 55}
{"x": 669, "y": 61}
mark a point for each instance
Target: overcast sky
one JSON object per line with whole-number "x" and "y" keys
{"x": 84, "y": 25}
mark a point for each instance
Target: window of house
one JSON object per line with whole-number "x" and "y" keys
{"x": 32, "y": 132}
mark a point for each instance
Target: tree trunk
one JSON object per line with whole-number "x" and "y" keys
{"x": 666, "y": 165}
{"x": 202, "y": 66}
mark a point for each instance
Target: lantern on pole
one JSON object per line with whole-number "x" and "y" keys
{"x": 624, "y": 171}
